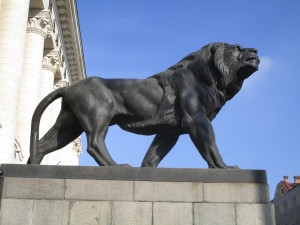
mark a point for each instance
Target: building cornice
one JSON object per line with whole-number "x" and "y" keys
{"x": 71, "y": 38}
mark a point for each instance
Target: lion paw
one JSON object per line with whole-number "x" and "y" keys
{"x": 233, "y": 167}
{"x": 124, "y": 165}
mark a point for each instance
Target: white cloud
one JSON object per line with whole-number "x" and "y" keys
{"x": 266, "y": 64}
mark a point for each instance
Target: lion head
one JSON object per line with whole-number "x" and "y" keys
{"x": 223, "y": 65}
{"x": 234, "y": 65}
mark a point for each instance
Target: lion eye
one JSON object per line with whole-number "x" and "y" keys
{"x": 237, "y": 47}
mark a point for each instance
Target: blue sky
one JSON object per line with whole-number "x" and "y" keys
{"x": 259, "y": 127}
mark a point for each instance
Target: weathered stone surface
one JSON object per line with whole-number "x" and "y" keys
{"x": 132, "y": 213}
{"x": 255, "y": 214}
{"x": 168, "y": 191}
{"x": 243, "y": 193}
{"x": 33, "y": 188}
{"x": 50, "y": 212}
{"x": 172, "y": 213}
{"x": 16, "y": 212}
{"x": 214, "y": 214}
{"x": 90, "y": 212}
{"x": 103, "y": 190}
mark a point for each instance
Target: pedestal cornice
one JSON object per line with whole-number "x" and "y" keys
{"x": 136, "y": 173}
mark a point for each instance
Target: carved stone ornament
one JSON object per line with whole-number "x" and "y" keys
{"x": 40, "y": 22}
{"x": 18, "y": 153}
{"x": 61, "y": 83}
{"x": 77, "y": 146}
{"x": 52, "y": 61}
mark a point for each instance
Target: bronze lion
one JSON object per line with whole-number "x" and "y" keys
{"x": 184, "y": 99}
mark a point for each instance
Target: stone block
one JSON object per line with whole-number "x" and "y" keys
{"x": 172, "y": 213}
{"x": 214, "y": 214}
{"x": 240, "y": 193}
{"x": 16, "y": 212}
{"x": 49, "y": 212}
{"x": 103, "y": 190}
{"x": 33, "y": 188}
{"x": 258, "y": 214}
{"x": 132, "y": 213}
{"x": 168, "y": 191}
{"x": 90, "y": 212}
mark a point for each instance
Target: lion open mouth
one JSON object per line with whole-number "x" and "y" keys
{"x": 252, "y": 59}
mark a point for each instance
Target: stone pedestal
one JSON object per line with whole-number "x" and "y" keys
{"x": 37, "y": 195}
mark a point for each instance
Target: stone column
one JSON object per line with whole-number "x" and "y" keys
{"x": 13, "y": 20}
{"x": 39, "y": 26}
{"x": 69, "y": 155}
{"x": 54, "y": 157}
{"x": 51, "y": 64}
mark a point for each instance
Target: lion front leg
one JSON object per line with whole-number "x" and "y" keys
{"x": 203, "y": 137}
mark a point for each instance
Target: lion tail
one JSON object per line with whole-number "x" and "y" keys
{"x": 35, "y": 122}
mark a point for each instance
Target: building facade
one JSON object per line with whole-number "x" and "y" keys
{"x": 40, "y": 50}
{"x": 287, "y": 202}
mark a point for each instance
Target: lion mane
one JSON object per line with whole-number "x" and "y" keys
{"x": 210, "y": 66}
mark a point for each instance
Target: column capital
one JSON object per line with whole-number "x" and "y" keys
{"x": 40, "y": 22}
{"x": 61, "y": 83}
{"x": 51, "y": 61}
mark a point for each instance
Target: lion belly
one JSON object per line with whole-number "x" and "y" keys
{"x": 163, "y": 120}
{"x": 150, "y": 126}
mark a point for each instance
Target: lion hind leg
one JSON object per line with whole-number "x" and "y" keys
{"x": 96, "y": 145}
{"x": 97, "y": 149}
{"x": 95, "y": 125}
{"x": 66, "y": 129}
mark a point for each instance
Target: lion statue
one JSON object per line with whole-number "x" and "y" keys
{"x": 184, "y": 99}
